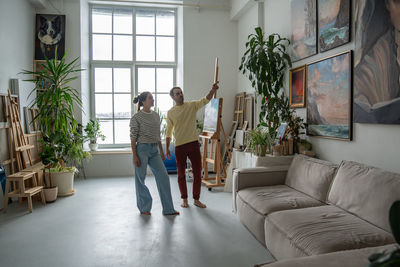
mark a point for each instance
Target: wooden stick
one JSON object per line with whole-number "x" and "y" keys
{"x": 216, "y": 75}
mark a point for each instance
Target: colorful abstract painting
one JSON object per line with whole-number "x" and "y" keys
{"x": 297, "y": 86}
{"x": 304, "y": 29}
{"x": 376, "y": 62}
{"x": 333, "y": 23}
{"x": 329, "y": 97}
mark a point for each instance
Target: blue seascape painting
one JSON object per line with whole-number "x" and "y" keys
{"x": 329, "y": 97}
{"x": 333, "y": 23}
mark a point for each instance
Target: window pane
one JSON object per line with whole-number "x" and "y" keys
{"x": 103, "y": 105}
{"x": 165, "y": 79}
{"x": 123, "y": 21}
{"x": 106, "y": 128}
{"x": 144, "y": 21}
{"x": 122, "y": 105}
{"x": 101, "y": 47}
{"x": 122, "y": 80}
{"x": 165, "y": 23}
{"x": 146, "y": 79}
{"x": 122, "y": 132}
{"x": 165, "y": 49}
{"x": 102, "y": 80}
{"x": 101, "y": 20}
{"x": 164, "y": 102}
{"x": 145, "y": 48}
{"x": 122, "y": 47}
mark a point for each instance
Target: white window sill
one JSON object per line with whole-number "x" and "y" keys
{"x": 111, "y": 151}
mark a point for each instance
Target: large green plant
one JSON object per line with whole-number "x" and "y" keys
{"x": 392, "y": 258}
{"x": 56, "y": 101}
{"x": 265, "y": 62}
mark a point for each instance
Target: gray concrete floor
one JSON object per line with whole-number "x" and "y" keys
{"x": 101, "y": 226}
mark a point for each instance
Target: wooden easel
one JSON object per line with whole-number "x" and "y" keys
{"x": 214, "y": 155}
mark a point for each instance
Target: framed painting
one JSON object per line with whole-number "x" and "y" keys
{"x": 297, "y": 85}
{"x": 376, "y": 68}
{"x": 212, "y": 113}
{"x": 329, "y": 93}
{"x": 333, "y": 23}
{"x": 304, "y": 29}
{"x": 49, "y": 36}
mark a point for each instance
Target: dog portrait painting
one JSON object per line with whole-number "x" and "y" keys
{"x": 49, "y": 36}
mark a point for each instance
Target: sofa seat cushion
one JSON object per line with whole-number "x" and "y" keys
{"x": 319, "y": 230}
{"x": 353, "y": 258}
{"x": 267, "y": 199}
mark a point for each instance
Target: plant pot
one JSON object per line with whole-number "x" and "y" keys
{"x": 93, "y": 146}
{"x": 50, "y": 193}
{"x": 262, "y": 150}
{"x": 64, "y": 181}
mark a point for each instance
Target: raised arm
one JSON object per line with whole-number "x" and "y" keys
{"x": 212, "y": 91}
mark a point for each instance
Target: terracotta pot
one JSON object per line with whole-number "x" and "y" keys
{"x": 50, "y": 193}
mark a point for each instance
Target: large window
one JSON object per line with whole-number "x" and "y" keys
{"x": 132, "y": 50}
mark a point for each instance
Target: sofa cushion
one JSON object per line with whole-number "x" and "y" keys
{"x": 365, "y": 191}
{"x": 319, "y": 230}
{"x": 253, "y": 220}
{"x": 311, "y": 176}
{"x": 267, "y": 199}
{"x": 353, "y": 258}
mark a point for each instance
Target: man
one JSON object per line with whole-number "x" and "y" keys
{"x": 181, "y": 119}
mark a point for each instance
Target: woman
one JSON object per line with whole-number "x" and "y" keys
{"x": 147, "y": 150}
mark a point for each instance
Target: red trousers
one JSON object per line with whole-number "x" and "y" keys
{"x": 192, "y": 151}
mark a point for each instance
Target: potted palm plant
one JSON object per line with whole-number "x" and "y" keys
{"x": 93, "y": 132}
{"x": 265, "y": 62}
{"x": 56, "y": 101}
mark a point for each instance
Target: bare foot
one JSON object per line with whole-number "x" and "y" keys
{"x": 175, "y": 213}
{"x": 199, "y": 204}
{"x": 185, "y": 203}
{"x": 146, "y": 213}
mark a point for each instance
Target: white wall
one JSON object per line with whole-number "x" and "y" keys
{"x": 373, "y": 144}
{"x": 209, "y": 33}
{"x": 247, "y": 22}
{"x": 17, "y": 22}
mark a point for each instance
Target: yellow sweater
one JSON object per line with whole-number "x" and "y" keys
{"x": 182, "y": 120}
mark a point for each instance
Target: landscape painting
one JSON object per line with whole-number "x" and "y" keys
{"x": 304, "y": 29}
{"x": 329, "y": 97}
{"x": 376, "y": 62}
{"x": 297, "y": 86}
{"x": 211, "y": 114}
{"x": 333, "y": 23}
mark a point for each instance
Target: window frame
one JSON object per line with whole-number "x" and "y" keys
{"x": 133, "y": 64}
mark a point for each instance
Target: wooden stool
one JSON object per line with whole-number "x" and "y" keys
{"x": 20, "y": 190}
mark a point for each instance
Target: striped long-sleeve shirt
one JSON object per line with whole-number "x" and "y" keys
{"x": 145, "y": 127}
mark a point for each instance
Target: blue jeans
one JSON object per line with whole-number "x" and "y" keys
{"x": 148, "y": 155}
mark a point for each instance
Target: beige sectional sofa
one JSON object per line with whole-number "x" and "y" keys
{"x": 316, "y": 207}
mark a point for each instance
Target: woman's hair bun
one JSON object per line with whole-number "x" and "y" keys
{"x": 135, "y": 99}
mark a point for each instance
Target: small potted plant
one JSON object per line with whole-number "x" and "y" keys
{"x": 93, "y": 132}
{"x": 259, "y": 141}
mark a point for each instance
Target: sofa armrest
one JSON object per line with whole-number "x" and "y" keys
{"x": 258, "y": 176}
